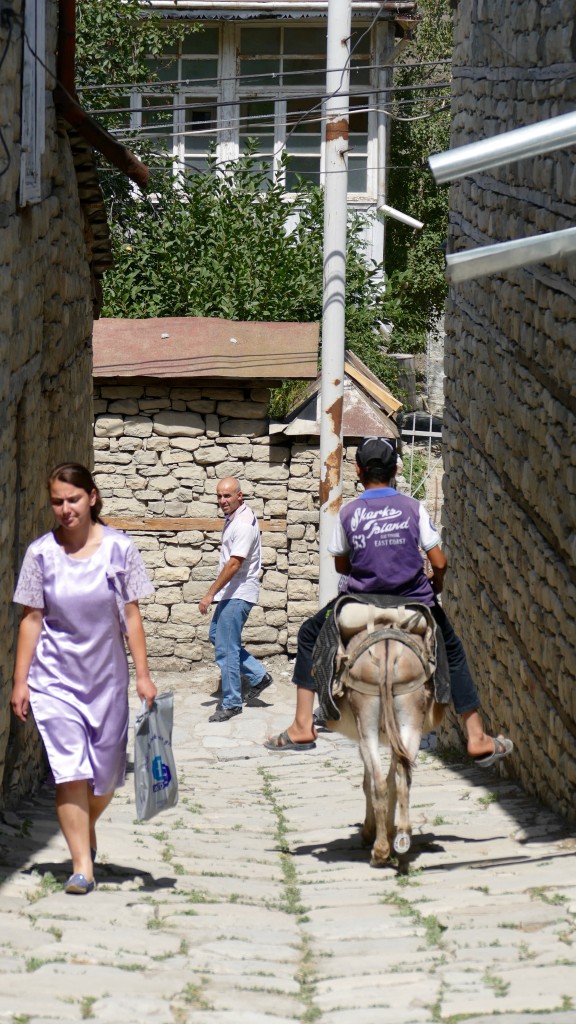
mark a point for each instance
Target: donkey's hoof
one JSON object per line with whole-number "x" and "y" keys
{"x": 380, "y": 857}
{"x": 401, "y": 843}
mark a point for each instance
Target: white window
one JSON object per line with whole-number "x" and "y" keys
{"x": 235, "y": 82}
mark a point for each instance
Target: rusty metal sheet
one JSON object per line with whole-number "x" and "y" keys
{"x": 362, "y": 417}
{"x": 180, "y": 347}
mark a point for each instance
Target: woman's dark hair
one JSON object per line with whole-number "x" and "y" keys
{"x": 76, "y": 474}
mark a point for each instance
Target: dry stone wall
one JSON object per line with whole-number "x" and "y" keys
{"x": 511, "y": 395}
{"x": 45, "y": 377}
{"x": 159, "y": 451}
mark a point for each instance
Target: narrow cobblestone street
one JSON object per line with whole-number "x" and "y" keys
{"x": 253, "y": 900}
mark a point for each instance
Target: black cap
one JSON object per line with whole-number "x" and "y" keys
{"x": 377, "y": 451}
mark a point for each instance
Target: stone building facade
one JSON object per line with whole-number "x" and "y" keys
{"x": 509, "y": 421}
{"x": 45, "y": 350}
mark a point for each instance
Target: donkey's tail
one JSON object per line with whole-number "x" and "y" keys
{"x": 388, "y": 723}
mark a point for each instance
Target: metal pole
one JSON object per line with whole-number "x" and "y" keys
{"x": 334, "y": 286}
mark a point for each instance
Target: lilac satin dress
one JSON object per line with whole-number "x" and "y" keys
{"x": 79, "y": 676}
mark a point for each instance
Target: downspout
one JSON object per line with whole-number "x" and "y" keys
{"x": 67, "y": 103}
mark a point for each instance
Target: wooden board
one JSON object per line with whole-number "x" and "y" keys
{"x": 205, "y": 525}
{"x": 390, "y": 403}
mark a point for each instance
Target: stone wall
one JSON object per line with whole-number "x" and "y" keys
{"x": 45, "y": 367}
{"x": 160, "y": 450}
{"x": 510, "y": 395}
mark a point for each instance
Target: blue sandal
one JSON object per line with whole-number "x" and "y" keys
{"x": 78, "y": 885}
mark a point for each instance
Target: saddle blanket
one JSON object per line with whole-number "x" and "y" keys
{"x": 326, "y": 647}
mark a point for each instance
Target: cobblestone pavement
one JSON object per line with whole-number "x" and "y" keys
{"x": 253, "y": 902}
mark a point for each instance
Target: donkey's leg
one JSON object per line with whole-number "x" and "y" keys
{"x": 367, "y": 713}
{"x": 409, "y": 710}
{"x": 369, "y": 826}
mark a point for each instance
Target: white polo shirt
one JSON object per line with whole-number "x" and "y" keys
{"x": 241, "y": 538}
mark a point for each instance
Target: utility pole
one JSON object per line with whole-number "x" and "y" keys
{"x": 334, "y": 282}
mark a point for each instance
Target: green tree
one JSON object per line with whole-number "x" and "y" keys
{"x": 118, "y": 43}
{"x": 415, "y": 259}
{"x": 228, "y": 244}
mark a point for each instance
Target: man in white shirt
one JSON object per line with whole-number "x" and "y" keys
{"x": 235, "y": 591}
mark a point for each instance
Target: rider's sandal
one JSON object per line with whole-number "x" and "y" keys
{"x": 502, "y": 747}
{"x": 284, "y": 742}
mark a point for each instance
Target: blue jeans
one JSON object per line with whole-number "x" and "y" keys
{"x": 232, "y": 660}
{"x": 464, "y": 693}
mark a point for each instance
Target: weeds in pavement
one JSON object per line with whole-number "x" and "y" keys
{"x": 35, "y": 963}
{"x": 86, "y": 1004}
{"x": 498, "y": 985}
{"x": 194, "y": 997}
{"x": 490, "y": 798}
{"x": 432, "y": 927}
{"x": 291, "y": 903}
{"x": 46, "y": 886}
{"x": 155, "y": 923}
{"x": 541, "y": 893}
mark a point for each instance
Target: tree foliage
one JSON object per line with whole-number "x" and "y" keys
{"x": 114, "y": 43}
{"x": 234, "y": 244}
{"x": 415, "y": 259}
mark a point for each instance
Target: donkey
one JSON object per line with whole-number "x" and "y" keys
{"x": 384, "y": 692}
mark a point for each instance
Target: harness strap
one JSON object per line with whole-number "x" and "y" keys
{"x": 389, "y": 633}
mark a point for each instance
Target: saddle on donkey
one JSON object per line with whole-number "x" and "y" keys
{"x": 384, "y": 617}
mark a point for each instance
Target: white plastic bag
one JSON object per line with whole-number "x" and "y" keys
{"x": 155, "y": 779}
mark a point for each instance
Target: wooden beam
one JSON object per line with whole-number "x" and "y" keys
{"x": 390, "y": 403}
{"x": 176, "y": 525}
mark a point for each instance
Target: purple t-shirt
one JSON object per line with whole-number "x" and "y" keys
{"x": 383, "y": 533}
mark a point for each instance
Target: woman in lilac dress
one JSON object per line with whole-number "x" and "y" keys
{"x": 80, "y": 586}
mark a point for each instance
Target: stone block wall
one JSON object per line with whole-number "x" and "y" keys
{"x": 159, "y": 450}
{"x": 45, "y": 367}
{"x": 509, "y": 511}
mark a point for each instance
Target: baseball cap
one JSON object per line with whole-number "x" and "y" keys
{"x": 377, "y": 451}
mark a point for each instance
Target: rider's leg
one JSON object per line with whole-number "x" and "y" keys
{"x": 464, "y": 693}
{"x": 302, "y": 729}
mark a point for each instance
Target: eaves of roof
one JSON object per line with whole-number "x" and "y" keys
{"x": 388, "y": 9}
{"x": 206, "y": 347}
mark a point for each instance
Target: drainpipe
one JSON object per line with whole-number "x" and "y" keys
{"x": 68, "y": 106}
{"x": 334, "y": 287}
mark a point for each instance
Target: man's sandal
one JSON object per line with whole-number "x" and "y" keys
{"x": 283, "y": 742}
{"x": 502, "y": 747}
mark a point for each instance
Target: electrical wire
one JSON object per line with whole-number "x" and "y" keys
{"x": 252, "y": 76}
{"x": 192, "y": 103}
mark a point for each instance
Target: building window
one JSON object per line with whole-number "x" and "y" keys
{"x": 266, "y": 83}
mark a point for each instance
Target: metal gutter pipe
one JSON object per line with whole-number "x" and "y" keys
{"x": 543, "y": 137}
{"x": 493, "y": 259}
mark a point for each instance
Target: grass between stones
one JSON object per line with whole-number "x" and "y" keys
{"x": 291, "y": 903}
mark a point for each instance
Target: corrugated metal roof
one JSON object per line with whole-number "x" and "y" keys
{"x": 207, "y": 347}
